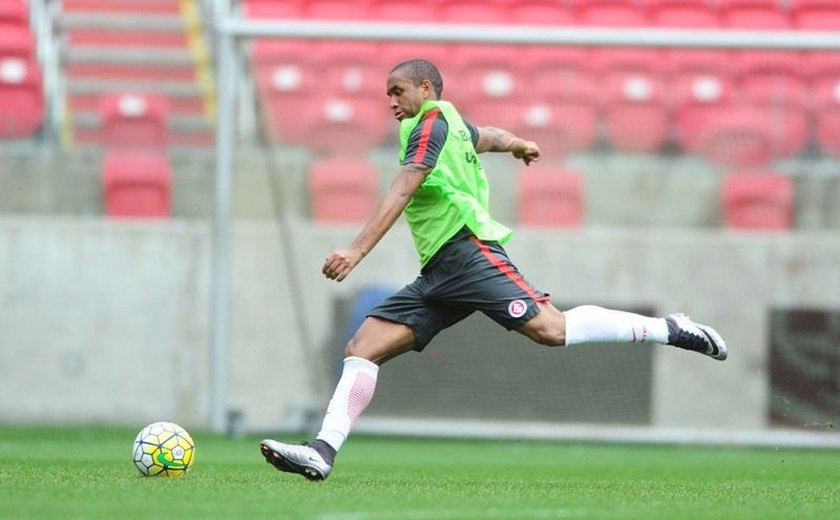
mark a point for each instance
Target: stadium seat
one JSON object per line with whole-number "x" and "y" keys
{"x": 737, "y": 136}
{"x": 344, "y": 124}
{"x": 281, "y": 117}
{"x": 472, "y": 11}
{"x": 550, "y": 197}
{"x": 16, "y": 41}
{"x": 636, "y": 114}
{"x": 610, "y": 13}
{"x": 540, "y": 12}
{"x": 336, "y": 9}
{"x": 824, "y": 73}
{"x": 343, "y": 189}
{"x": 280, "y": 51}
{"x": 137, "y": 184}
{"x": 559, "y": 127}
{"x": 816, "y": 15}
{"x": 618, "y": 62}
{"x": 753, "y": 14}
{"x": 557, "y": 73}
{"x": 777, "y": 83}
{"x": 134, "y": 121}
{"x": 827, "y": 115}
{"x": 21, "y": 98}
{"x": 350, "y": 68}
{"x": 285, "y": 74}
{"x": 487, "y": 72}
{"x": 273, "y": 9}
{"x": 699, "y": 87}
{"x": 695, "y": 14}
{"x": 771, "y": 78}
{"x": 758, "y": 201}
{"x": 14, "y": 12}
{"x": 437, "y": 53}
{"x": 634, "y": 105}
{"x": 405, "y": 10}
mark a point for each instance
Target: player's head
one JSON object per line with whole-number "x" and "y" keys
{"x": 410, "y": 84}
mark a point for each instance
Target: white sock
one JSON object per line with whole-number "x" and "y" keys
{"x": 352, "y": 395}
{"x": 593, "y": 324}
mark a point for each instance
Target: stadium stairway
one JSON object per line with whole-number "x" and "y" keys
{"x": 140, "y": 47}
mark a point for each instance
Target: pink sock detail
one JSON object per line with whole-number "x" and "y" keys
{"x": 360, "y": 396}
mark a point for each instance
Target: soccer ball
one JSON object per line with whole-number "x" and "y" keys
{"x": 163, "y": 448}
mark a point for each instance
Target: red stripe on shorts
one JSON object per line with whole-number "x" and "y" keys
{"x": 425, "y": 134}
{"x": 504, "y": 266}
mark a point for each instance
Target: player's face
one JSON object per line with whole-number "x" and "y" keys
{"x": 405, "y": 97}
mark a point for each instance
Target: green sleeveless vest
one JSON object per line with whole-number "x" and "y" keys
{"x": 454, "y": 194}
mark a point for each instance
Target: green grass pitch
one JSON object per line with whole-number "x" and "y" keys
{"x": 76, "y": 472}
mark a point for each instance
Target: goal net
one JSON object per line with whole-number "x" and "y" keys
{"x": 679, "y": 167}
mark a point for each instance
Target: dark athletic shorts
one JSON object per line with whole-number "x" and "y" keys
{"x": 466, "y": 275}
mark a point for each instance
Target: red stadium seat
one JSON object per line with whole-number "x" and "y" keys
{"x": 487, "y": 72}
{"x": 823, "y": 69}
{"x": 21, "y": 98}
{"x": 540, "y": 12}
{"x": 697, "y": 76}
{"x": 816, "y": 15}
{"x": 14, "y": 12}
{"x": 753, "y": 14}
{"x": 336, "y": 9}
{"x": 776, "y": 83}
{"x": 285, "y": 74}
{"x": 758, "y": 201}
{"x": 635, "y": 105}
{"x": 827, "y": 115}
{"x": 550, "y": 198}
{"x": 561, "y": 74}
{"x": 637, "y": 115}
{"x": 615, "y": 62}
{"x": 350, "y": 68}
{"x": 279, "y": 51}
{"x": 699, "y": 88}
{"x": 397, "y": 52}
{"x": 610, "y": 13}
{"x": 16, "y": 41}
{"x": 343, "y": 189}
{"x": 737, "y": 136}
{"x": 683, "y": 13}
{"x": 345, "y": 124}
{"x": 472, "y": 11}
{"x": 771, "y": 78}
{"x": 559, "y": 127}
{"x": 273, "y": 9}
{"x": 137, "y": 184}
{"x": 134, "y": 121}
{"x": 406, "y": 10}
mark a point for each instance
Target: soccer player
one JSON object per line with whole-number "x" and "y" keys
{"x": 442, "y": 189}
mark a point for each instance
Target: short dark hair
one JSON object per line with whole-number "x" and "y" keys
{"x": 418, "y": 70}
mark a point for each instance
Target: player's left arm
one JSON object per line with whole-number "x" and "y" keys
{"x": 340, "y": 262}
{"x": 492, "y": 139}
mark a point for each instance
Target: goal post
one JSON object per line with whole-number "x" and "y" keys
{"x": 231, "y": 29}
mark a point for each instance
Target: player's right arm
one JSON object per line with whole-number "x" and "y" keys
{"x": 340, "y": 262}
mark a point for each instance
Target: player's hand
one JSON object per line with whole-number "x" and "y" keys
{"x": 340, "y": 262}
{"x": 529, "y": 152}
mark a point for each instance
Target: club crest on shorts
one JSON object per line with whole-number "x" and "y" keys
{"x": 517, "y": 308}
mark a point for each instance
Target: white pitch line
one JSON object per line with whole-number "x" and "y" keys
{"x": 424, "y": 514}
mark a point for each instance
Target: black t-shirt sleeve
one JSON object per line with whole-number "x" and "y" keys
{"x": 473, "y": 132}
{"x": 426, "y": 140}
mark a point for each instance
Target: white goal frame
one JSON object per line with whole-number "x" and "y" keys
{"x": 230, "y": 29}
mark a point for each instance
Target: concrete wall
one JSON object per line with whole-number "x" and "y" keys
{"x": 108, "y": 321}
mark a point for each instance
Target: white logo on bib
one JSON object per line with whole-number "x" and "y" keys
{"x": 517, "y": 308}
